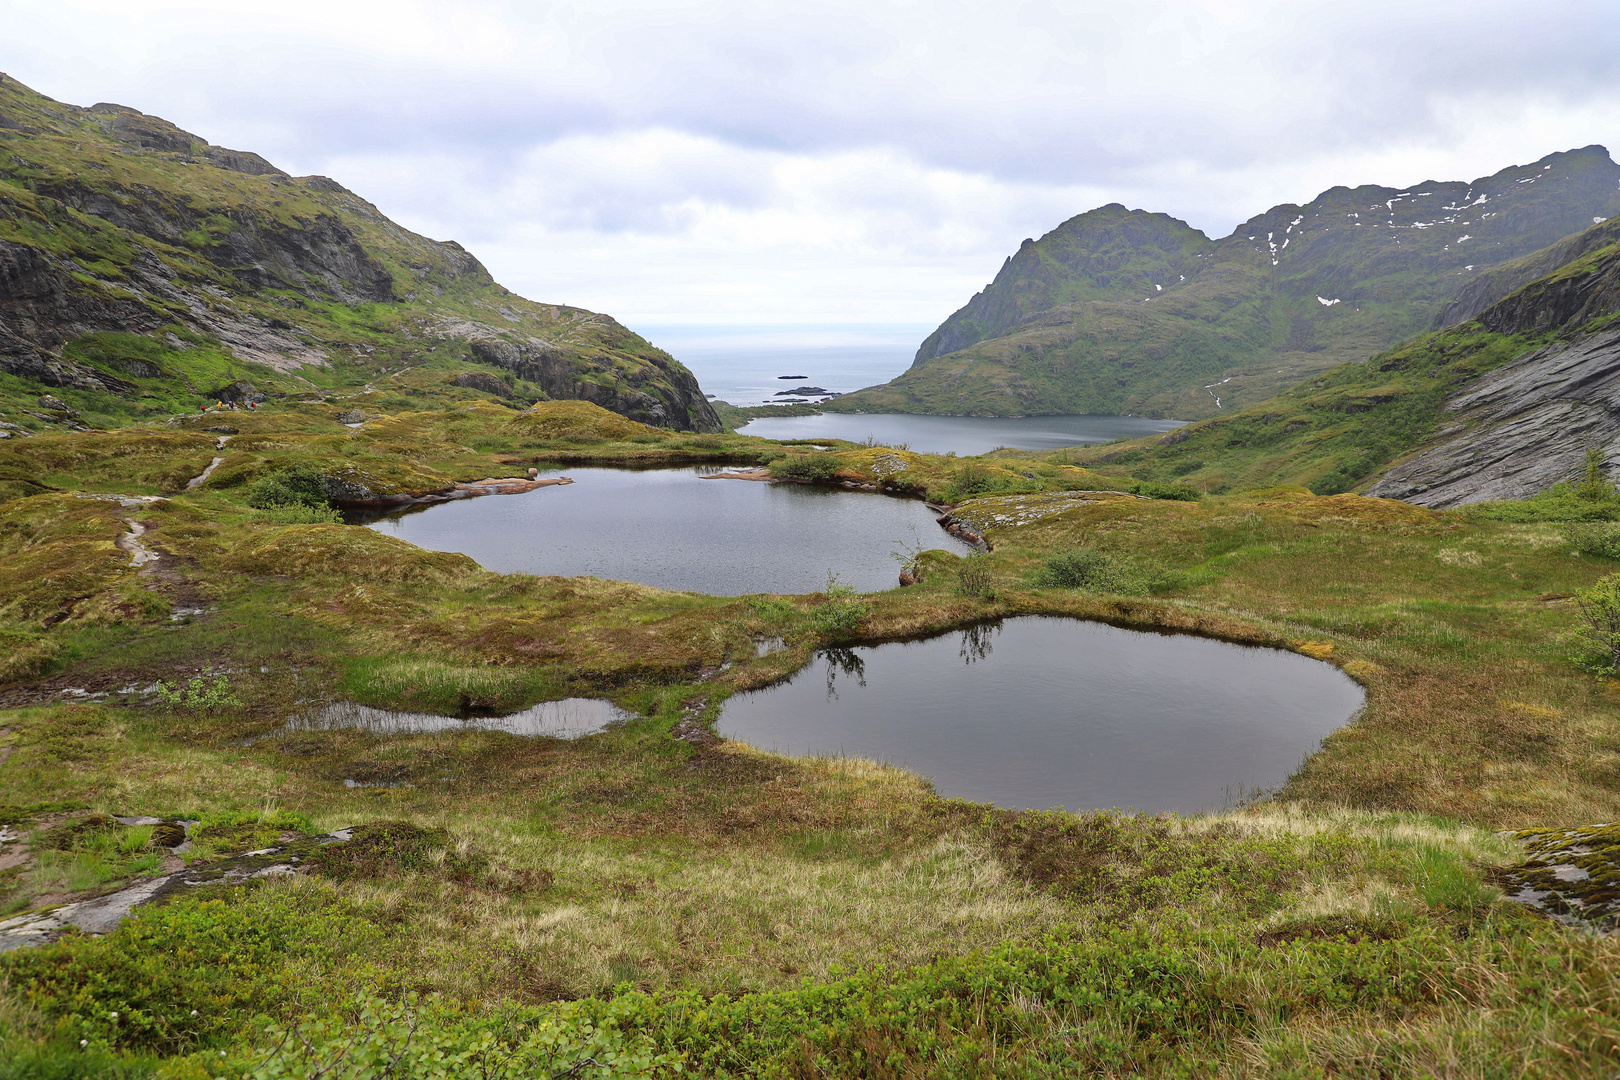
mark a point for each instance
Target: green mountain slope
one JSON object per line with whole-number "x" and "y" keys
{"x": 1120, "y": 311}
{"x": 1499, "y": 407}
{"x": 143, "y": 270}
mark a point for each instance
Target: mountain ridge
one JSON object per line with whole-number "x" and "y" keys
{"x": 1293, "y": 290}
{"x": 1498, "y": 407}
{"x": 140, "y": 262}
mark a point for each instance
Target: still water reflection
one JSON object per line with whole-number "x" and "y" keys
{"x": 1042, "y": 712}
{"x": 676, "y": 530}
{"x": 961, "y": 434}
{"x": 569, "y": 718}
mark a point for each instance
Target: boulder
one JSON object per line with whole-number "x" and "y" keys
{"x": 240, "y": 392}
{"x": 482, "y": 380}
{"x": 56, "y": 404}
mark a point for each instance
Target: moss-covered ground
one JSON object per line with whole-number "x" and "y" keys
{"x": 652, "y": 897}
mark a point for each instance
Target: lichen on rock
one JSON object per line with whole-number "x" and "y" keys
{"x": 1573, "y": 875}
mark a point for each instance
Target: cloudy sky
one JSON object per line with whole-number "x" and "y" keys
{"x": 831, "y": 161}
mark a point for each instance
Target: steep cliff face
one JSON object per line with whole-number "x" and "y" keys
{"x": 128, "y": 245}
{"x": 1522, "y": 427}
{"x": 1196, "y": 328}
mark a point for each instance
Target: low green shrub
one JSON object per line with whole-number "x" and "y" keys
{"x": 1113, "y": 1002}
{"x": 973, "y": 578}
{"x": 72, "y": 1063}
{"x": 814, "y": 467}
{"x": 1178, "y": 492}
{"x": 973, "y": 479}
{"x": 301, "y": 485}
{"x": 596, "y": 1039}
{"x": 1600, "y": 623}
{"x": 300, "y": 515}
{"x": 184, "y": 975}
{"x": 1552, "y": 505}
{"x": 1600, "y": 538}
{"x": 839, "y": 613}
{"x": 1096, "y": 571}
{"x": 1078, "y": 568}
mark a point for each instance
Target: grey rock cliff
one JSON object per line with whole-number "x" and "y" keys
{"x": 1520, "y": 429}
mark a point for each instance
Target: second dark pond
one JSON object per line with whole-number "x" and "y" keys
{"x": 1039, "y": 712}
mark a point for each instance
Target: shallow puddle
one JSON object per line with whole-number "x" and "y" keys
{"x": 569, "y": 718}
{"x": 1043, "y": 712}
{"x": 677, "y": 530}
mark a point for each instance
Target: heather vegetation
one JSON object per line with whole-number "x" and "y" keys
{"x": 650, "y": 897}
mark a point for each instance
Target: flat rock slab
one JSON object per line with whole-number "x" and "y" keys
{"x": 509, "y": 485}
{"x": 102, "y": 914}
{"x": 1519, "y": 429}
{"x": 747, "y": 474}
{"x": 1572, "y": 875}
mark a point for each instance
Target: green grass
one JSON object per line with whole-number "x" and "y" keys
{"x": 657, "y": 897}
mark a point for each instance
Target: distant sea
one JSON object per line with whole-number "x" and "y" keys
{"x": 740, "y": 364}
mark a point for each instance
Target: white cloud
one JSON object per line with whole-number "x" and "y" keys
{"x": 832, "y": 160}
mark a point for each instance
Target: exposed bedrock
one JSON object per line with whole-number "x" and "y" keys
{"x": 636, "y": 394}
{"x": 1521, "y": 428}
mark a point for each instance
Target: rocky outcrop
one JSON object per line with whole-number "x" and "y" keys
{"x": 1520, "y": 429}
{"x": 483, "y": 381}
{"x": 658, "y": 392}
{"x": 1523, "y": 427}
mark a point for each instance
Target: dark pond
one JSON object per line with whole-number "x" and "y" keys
{"x": 676, "y": 530}
{"x": 963, "y": 434}
{"x": 1043, "y": 712}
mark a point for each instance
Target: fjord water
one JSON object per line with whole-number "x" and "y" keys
{"x": 959, "y": 434}
{"x": 1037, "y": 712}
{"x": 676, "y": 530}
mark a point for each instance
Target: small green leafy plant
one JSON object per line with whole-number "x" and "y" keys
{"x": 1600, "y": 623}
{"x": 205, "y": 692}
{"x": 839, "y": 612}
{"x": 973, "y": 578}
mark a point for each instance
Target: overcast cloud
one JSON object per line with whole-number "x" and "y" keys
{"x": 839, "y": 161}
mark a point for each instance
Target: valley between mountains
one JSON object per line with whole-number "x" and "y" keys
{"x": 211, "y": 370}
